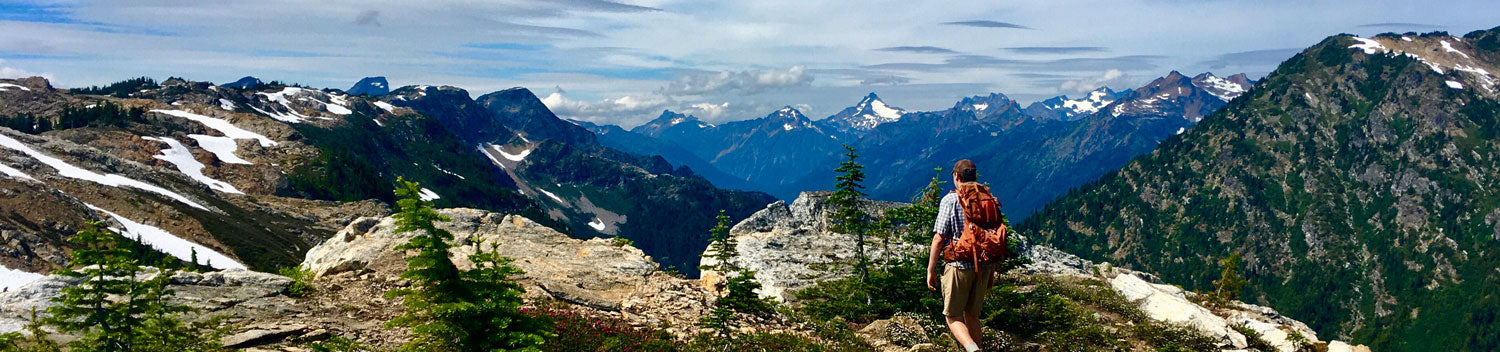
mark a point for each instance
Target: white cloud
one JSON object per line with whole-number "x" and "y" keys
{"x": 609, "y": 111}
{"x": 748, "y": 81}
{"x": 707, "y": 111}
{"x": 7, "y": 71}
{"x": 1087, "y": 84}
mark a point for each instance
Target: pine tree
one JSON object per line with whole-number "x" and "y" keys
{"x": 723, "y": 247}
{"x": 1228, "y": 285}
{"x": 113, "y": 307}
{"x": 740, "y": 296}
{"x": 452, "y": 310}
{"x": 847, "y": 217}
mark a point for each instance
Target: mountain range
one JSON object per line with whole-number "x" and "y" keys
{"x": 1357, "y": 181}
{"x": 1034, "y": 153}
{"x": 249, "y": 177}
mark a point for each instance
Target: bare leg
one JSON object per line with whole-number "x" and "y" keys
{"x": 961, "y": 330}
{"x": 974, "y": 327}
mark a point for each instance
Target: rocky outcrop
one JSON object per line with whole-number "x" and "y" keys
{"x": 597, "y": 273}
{"x": 239, "y": 294}
{"x": 354, "y": 269}
{"x": 790, "y": 247}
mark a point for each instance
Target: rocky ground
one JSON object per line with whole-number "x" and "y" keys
{"x": 351, "y": 272}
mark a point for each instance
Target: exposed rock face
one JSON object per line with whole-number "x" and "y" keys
{"x": 790, "y": 247}
{"x": 237, "y": 293}
{"x": 591, "y": 273}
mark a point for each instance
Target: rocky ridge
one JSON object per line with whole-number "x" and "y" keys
{"x": 789, "y": 248}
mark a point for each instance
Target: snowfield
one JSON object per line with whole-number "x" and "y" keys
{"x": 179, "y": 155}
{"x": 226, "y": 104}
{"x": 385, "y": 106}
{"x": 68, "y": 170}
{"x": 513, "y": 157}
{"x": 280, "y": 97}
{"x": 11, "y": 279}
{"x": 168, "y": 243}
{"x": 222, "y": 147}
{"x": 14, "y": 173}
{"x": 221, "y": 125}
{"x": 9, "y": 86}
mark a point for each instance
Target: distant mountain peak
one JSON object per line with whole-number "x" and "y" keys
{"x": 376, "y": 85}
{"x": 1067, "y": 109}
{"x": 243, "y": 83}
{"x": 864, "y": 116}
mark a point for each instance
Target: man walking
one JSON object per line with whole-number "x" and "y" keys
{"x": 963, "y": 282}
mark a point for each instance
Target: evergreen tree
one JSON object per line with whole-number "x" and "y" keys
{"x": 452, "y": 310}
{"x": 114, "y": 308}
{"x": 740, "y": 296}
{"x": 847, "y": 217}
{"x": 723, "y": 247}
{"x": 1228, "y": 285}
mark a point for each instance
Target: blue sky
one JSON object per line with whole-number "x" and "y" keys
{"x": 623, "y": 62}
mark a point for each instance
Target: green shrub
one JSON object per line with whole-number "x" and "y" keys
{"x": 301, "y": 281}
{"x": 1253, "y": 338}
{"x": 337, "y": 344}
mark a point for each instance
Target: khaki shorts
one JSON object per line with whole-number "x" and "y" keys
{"x": 964, "y": 290}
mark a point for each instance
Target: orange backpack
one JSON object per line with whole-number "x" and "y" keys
{"x": 984, "y": 235}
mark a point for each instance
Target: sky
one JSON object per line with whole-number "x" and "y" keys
{"x": 624, "y": 62}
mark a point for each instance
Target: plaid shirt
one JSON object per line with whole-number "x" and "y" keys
{"x": 950, "y": 225}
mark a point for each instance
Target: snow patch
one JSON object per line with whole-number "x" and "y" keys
{"x": 68, "y": 170}
{"x": 9, "y": 86}
{"x": 1449, "y": 48}
{"x": 1180, "y": 130}
{"x": 788, "y": 126}
{"x": 427, "y": 194}
{"x": 222, "y": 147}
{"x": 981, "y": 106}
{"x": 884, "y": 111}
{"x": 280, "y": 98}
{"x": 226, "y": 104}
{"x": 461, "y": 177}
{"x": 513, "y": 157}
{"x": 553, "y": 196}
{"x": 14, "y": 173}
{"x": 1223, "y": 89}
{"x": 597, "y": 224}
{"x": 228, "y": 129}
{"x": 491, "y": 157}
{"x": 385, "y": 106}
{"x": 337, "y": 104}
{"x": 1369, "y": 46}
{"x": 11, "y": 279}
{"x": 1455, "y": 85}
{"x": 168, "y": 243}
{"x": 180, "y": 156}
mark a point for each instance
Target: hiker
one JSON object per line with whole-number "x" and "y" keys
{"x": 970, "y": 236}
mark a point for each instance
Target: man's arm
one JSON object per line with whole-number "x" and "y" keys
{"x": 932, "y": 260}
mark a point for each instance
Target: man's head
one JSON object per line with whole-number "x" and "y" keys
{"x": 963, "y": 171}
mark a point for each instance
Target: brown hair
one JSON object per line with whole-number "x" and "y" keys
{"x": 964, "y": 169}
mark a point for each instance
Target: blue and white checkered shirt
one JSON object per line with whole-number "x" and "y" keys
{"x": 950, "y": 225}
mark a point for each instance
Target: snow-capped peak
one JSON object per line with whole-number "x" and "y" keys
{"x": 1224, "y": 89}
{"x": 868, "y": 113}
{"x": 1096, "y": 100}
